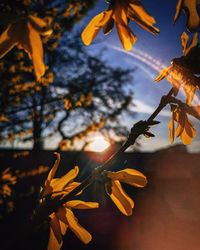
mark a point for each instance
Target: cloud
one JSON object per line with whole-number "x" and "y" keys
{"x": 142, "y": 107}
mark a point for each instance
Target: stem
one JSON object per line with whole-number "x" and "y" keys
{"x": 164, "y": 101}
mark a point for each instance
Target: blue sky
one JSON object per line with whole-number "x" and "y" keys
{"x": 149, "y": 51}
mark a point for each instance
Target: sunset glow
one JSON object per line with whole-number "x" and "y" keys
{"x": 98, "y": 144}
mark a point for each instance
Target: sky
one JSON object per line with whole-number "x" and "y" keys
{"x": 149, "y": 55}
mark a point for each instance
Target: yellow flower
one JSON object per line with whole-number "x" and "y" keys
{"x": 114, "y": 189}
{"x": 184, "y": 129}
{"x": 191, "y": 10}
{"x": 119, "y": 12}
{"x": 25, "y": 33}
{"x": 183, "y": 69}
{"x": 64, "y": 218}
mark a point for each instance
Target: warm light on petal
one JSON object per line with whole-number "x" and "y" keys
{"x": 66, "y": 179}
{"x": 191, "y": 11}
{"x": 8, "y": 39}
{"x": 80, "y": 232}
{"x": 129, "y": 176}
{"x": 54, "y": 168}
{"x": 81, "y": 204}
{"x": 92, "y": 29}
{"x": 55, "y": 237}
{"x": 36, "y": 51}
{"x": 123, "y": 202}
{"x": 120, "y": 12}
{"x": 162, "y": 74}
{"x": 40, "y": 25}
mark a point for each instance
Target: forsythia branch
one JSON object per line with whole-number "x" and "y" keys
{"x": 50, "y": 205}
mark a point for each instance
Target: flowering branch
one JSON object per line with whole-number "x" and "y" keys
{"x": 50, "y": 204}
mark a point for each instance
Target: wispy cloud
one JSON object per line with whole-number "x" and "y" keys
{"x": 142, "y": 107}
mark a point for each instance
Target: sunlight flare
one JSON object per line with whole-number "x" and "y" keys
{"x": 98, "y": 144}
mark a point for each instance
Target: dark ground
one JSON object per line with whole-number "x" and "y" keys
{"x": 166, "y": 214}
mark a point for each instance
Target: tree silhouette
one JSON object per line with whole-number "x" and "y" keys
{"x": 76, "y": 88}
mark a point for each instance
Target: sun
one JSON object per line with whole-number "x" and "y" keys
{"x": 98, "y": 144}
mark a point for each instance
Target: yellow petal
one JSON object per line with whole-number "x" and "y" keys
{"x": 171, "y": 130}
{"x": 180, "y": 118}
{"x": 55, "y": 237}
{"x": 139, "y": 10}
{"x": 71, "y": 186}
{"x": 123, "y": 202}
{"x": 55, "y": 167}
{"x": 36, "y": 51}
{"x": 80, "y": 232}
{"x": 106, "y": 18}
{"x": 189, "y": 89}
{"x": 189, "y": 128}
{"x": 178, "y": 9}
{"x": 184, "y": 41}
{"x": 126, "y": 36}
{"x": 190, "y": 7}
{"x": 163, "y": 73}
{"x": 137, "y": 13}
{"x": 129, "y": 176}
{"x": 61, "y": 215}
{"x": 92, "y": 29}
{"x": 8, "y": 39}
{"x": 142, "y": 23}
{"x": 40, "y": 25}
{"x": 81, "y": 204}
{"x": 107, "y": 28}
{"x": 193, "y": 43}
{"x": 185, "y": 138}
{"x": 66, "y": 179}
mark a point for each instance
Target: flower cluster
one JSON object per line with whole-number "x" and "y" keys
{"x": 64, "y": 218}
{"x": 25, "y": 33}
{"x": 120, "y": 12}
{"x": 185, "y": 129}
{"x": 114, "y": 189}
{"x": 182, "y": 71}
{"x": 190, "y": 8}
